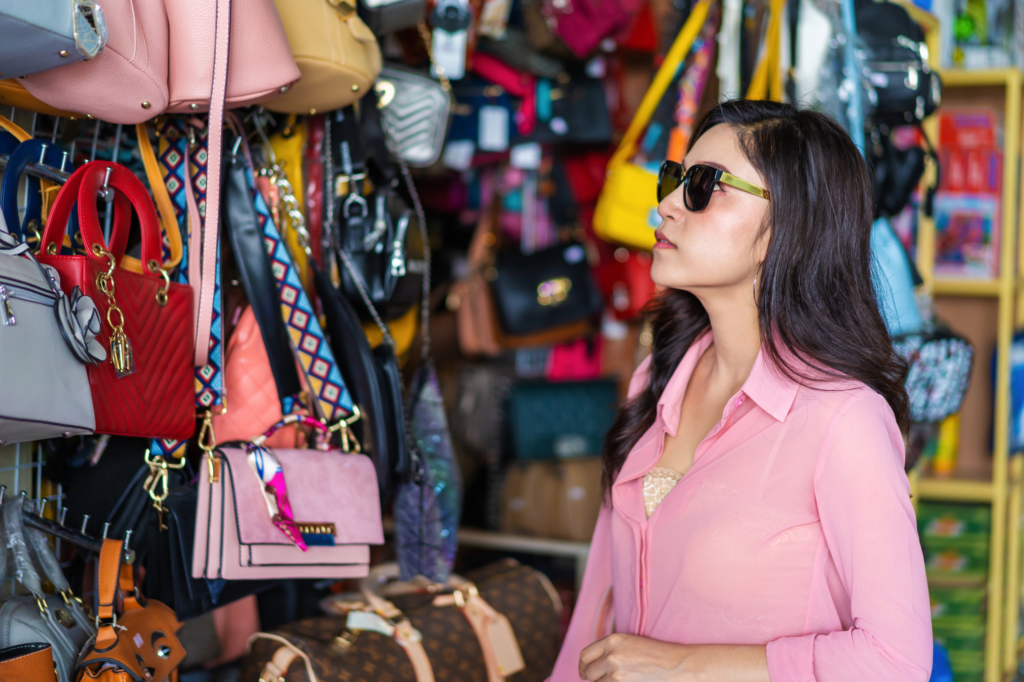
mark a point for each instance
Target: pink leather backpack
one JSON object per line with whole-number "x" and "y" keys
{"x": 160, "y": 57}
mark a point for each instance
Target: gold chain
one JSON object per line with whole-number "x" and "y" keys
{"x": 121, "y": 356}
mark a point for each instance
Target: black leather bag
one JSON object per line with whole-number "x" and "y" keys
{"x": 253, "y": 265}
{"x": 908, "y": 90}
{"x": 543, "y": 290}
{"x": 377, "y": 230}
{"x": 373, "y": 378}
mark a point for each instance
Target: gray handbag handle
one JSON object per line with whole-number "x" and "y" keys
{"x": 25, "y": 573}
{"x": 40, "y": 544}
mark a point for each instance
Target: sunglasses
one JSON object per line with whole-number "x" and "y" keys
{"x": 698, "y": 183}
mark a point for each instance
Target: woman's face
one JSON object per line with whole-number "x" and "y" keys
{"x": 717, "y": 248}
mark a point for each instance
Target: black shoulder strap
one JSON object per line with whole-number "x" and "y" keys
{"x": 246, "y": 237}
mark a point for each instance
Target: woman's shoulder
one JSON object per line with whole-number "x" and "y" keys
{"x": 849, "y": 400}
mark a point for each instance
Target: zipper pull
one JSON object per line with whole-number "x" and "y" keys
{"x": 6, "y": 312}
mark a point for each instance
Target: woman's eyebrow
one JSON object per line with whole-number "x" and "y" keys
{"x": 713, "y": 164}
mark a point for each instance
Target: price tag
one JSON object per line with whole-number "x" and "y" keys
{"x": 525, "y": 156}
{"x": 451, "y": 20}
{"x": 449, "y": 53}
{"x": 494, "y": 122}
{"x": 364, "y": 620}
{"x": 458, "y": 155}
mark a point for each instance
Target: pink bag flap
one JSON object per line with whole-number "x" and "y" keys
{"x": 324, "y": 488}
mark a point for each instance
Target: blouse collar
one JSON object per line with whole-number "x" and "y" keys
{"x": 766, "y": 386}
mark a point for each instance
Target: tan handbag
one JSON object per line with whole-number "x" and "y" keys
{"x": 336, "y": 52}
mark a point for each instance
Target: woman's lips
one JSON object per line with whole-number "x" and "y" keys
{"x": 663, "y": 242}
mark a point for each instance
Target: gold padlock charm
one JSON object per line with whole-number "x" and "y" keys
{"x": 121, "y": 355}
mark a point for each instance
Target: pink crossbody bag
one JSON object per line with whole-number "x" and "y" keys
{"x": 286, "y": 513}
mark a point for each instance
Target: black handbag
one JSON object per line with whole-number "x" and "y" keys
{"x": 162, "y": 535}
{"x": 372, "y": 377}
{"x": 543, "y": 290}
{"x": 376, "y": 229}
{"x": 908, "y": 90}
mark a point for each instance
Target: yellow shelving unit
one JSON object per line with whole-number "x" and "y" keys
{"x": 1002, "y": 488}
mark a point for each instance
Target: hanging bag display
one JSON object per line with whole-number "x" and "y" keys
{"x": 49, "y": 339}
{"x": 286, "y": 513}
{"x": 139, "y": 644}
{"x": 146, "y": 386}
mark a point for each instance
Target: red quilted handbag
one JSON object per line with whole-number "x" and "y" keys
{"x": 145, "y": 388}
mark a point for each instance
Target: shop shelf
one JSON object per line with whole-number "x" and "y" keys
{"x": 977, "y": 77}
{"x": 955, "y": 489}
{"x": 966, "y": 287}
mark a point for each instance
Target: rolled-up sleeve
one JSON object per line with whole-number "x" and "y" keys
{"x": 863, "y": 501}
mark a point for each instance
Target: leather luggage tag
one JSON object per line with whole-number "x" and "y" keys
{"x": 504, "y": 644}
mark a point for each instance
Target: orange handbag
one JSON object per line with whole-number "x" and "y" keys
{"x": 253, "y": 405}
{"x": 140, "y": 644}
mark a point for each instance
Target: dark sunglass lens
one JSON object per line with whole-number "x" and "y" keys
{"x": 668, "y": 179}
{"x": 700, "y": 183}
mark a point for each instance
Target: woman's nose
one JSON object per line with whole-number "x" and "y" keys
{"x": 671, "y": 207}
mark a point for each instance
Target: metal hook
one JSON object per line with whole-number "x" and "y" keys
{"x": 85, "y": 522}
{"x": 42, "y": 152}
{"x": 95, "y": 141}
{"x": 258, "y": 122}
{"x": 105, "y": 192}
{"x": 42, "y": 506}
{"x": 106, "y": 529}
{"x": 127, "y": 538}
{"x": 64, "y": 161}
{"x": 63, "y": 514}
{"x": 3, "y": 489}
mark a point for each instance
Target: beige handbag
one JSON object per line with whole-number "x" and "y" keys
{"x": 336, "y": 52}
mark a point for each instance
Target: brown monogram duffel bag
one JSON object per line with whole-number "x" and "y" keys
{"x": 501, "y": 622}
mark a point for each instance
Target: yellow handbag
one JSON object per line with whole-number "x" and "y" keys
{"x": 627, "y": 210}
{"x": 403, "y": 333}
{"x": 335, "y": 51}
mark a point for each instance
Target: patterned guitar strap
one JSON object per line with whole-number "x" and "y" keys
{"x": 182, "y": 157}
{"x": 332, "y": 402}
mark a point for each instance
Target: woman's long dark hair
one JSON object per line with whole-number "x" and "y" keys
{"x": 816, "y": 304}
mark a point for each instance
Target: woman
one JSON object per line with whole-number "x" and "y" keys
{"x": 758, "y": 523}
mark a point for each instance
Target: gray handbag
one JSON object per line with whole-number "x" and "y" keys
{"x": 414, "y": 110}
{"x": 46, "y": 337}
{"x": 58, "y": 620}
{"x": 387, "y": 16}
{"x": 44, "y": 34}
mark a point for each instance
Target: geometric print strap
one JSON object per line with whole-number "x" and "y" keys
{"x": 184, "y": 169}
{"x": 332, "y": 400}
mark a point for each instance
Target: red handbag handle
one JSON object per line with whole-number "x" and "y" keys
{"x": 129, "y": 192}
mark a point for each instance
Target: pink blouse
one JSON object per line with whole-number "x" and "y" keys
{"x": 793, "y": 529}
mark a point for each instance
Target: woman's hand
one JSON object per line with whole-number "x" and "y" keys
{"x": 629, "y": 658}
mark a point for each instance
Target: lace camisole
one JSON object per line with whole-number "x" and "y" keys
{"x": 658, "y": 482}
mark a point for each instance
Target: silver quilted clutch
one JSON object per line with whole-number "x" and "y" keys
{"x": 414, "y": 108}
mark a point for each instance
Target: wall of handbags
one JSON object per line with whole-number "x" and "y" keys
{"x": 255, "y": 257}
{"x": 290, "y": 290}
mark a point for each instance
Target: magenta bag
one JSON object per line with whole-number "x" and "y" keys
{"x": 583, "y": 24}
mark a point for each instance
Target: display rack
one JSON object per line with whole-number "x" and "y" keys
{"x": 996, "y": 482}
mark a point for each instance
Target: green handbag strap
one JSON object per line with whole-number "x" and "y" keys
{"x": 668, "y": 71}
